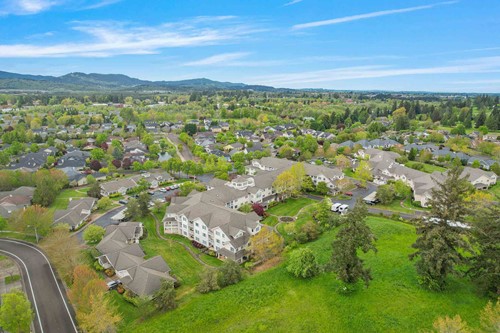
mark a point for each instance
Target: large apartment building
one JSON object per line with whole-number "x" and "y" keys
{"x": 212, "y": 218}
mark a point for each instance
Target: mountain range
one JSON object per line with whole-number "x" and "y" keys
{"x": 112, "y": 82}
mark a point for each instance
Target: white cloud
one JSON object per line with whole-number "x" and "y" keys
{"x": 293, "y": 2}
{"x": 302, "y": 79}
{"x": 31, "y": 7}
{"x": 102, "y": 3}
{"x": 217, "y": 59}
{"x": 115, "y": 38}
{"x": 41, "y": 35}
{"x": 368, "y": 15}
{"x": 26, "y": 7}
{"x": 474, "y": 82}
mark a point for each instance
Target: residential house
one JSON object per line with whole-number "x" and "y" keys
{"x": 78, "y": 211}
{"x": 384, "y": 167}
{"x": 31, "y": 162}
{"x": 120, "y": 250}
{"x": 120, "y": 186}
{"x": 11, "y": 201}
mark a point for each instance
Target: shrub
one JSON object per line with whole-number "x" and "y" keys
{"x": 120, "y": 289}
{"x": 109, "y": 272}
{"x": 303, "y": 263}
{"x": 97, "y": 266}
{"x": 258, "y": 209}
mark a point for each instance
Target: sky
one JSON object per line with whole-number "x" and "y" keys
{"x": 416, "y": 45}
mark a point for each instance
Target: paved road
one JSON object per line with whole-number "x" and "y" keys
{"x": 53, "y": 313}
{"x": 356, "y": 193}
{"x": 363, "y": 192}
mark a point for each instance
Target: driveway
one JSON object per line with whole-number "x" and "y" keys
{"x": 356, "y": 193}
{"x": 53, "y": 313}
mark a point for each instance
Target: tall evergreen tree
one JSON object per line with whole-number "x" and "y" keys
{"x": 354, "y": 235}
{"x": 485, "y": 264}
{"x": 440, "y": 243}
{"x": 480, "y": 119}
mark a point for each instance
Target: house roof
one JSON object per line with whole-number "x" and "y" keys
{"x": 146, "y": 277}
{"x": 77, "y": 211}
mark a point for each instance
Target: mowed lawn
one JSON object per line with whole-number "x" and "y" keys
{"x": 495, "y": 190}
{"x": 429, "y": 168}
{"x": 275, "y": 301}
{"x": 290, "y": 207}
{"x": 183, "y": 265}
{"x": 62, "y": 199}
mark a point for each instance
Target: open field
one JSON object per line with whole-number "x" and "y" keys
{"x": 274, "y": 300}
{"x": 290, "y": 207}
{"x": 62, "y": 199}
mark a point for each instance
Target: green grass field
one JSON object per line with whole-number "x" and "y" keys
{"x": 290, "y": 207}
{"x": 62, "y": 199}
{"x": 495, "y": 190}
{"x": 270, "y": 221}
{"x": 275, "y": 301}
{"x": 183, "y": 266}
{"x": 395, "y": 206}
{"x": 429, "y": 168}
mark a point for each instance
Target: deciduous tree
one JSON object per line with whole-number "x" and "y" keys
{"x": 102, "y": 317}
{"x": 32, "y": 219}
{"x": 229, "y": 273}
{"x": 303, "y": 263}
{"x": 363, "y": 172}
{"x": 209, "y": 281}
{"x": 93, "y": 234}
{"x": 95, "y": 191}
{"x": 63, "y": 250}
{"x": 133, "y": 210}
{"x": 15, "y": 313}
{"x": 265, "y": 245}
{"x": 450, "y": 325}
{"x": 164, "y": 298}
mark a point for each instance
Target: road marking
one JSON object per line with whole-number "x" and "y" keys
{"x": 31, "y": 286}
{"x": 53, "y": 275}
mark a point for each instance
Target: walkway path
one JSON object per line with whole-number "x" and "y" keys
{"x": 186, "y": 153}
{"x": 294, "y": 218}
{"x": 196, "y": 256}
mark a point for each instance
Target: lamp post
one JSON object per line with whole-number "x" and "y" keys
{"x": 36, "y": 233}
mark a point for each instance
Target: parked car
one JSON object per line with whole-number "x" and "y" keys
{"x": 335, "y": 207}
{"x": 151, "y": 192}
{"x": 168, "y": 188}
{"x": 163, "y": 190}
{"x": 343, "y": 209}
{"x": 123, "y": 202}
{"x": 113, "y": 284}
{"x": 348, "y": 193}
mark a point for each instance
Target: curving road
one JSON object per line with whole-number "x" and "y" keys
{"x": 53, "y": 313}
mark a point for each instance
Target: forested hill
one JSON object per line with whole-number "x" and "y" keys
{"x": 97, "y": 82}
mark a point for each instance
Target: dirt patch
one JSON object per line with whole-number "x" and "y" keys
{"x": 273, "y": 262}
{"x": 286, "y": 219}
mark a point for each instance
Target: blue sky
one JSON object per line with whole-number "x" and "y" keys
{"x": 420, "y": 45}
